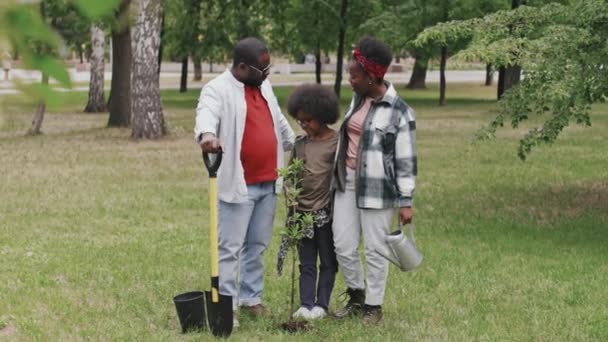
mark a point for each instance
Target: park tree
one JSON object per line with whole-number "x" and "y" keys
{"x": 318, "y": 26}
{"x": 176, "y": 36}
{"x": 347, "y": 15}
{"x": 196, "y": 38}
{"x": 26, "y": 27}
{"x": 340, "y": 53}
{"x": 119, "y": 102}
{"x": 562, "y": 51}
{"x": 42, "y": 47}
{"x": 357, "y": 13}
{"x": 78, "y": 32}
{"x": 400, "y": 22}
{"x": 468, "y": 9}
{"x": 305, "y": 26}
{"x": 215, "y": 41}
{"x": 96, "y": 102}
{"x": 197, "y": 61}
{"x": 148, "y": 118}
{"x": 510, "y": 74}
{"x": 207, "y": 30}
{"x": 70, "y": 23}
{"x": 245, "y": 17}
{"x": 182, "y": 36}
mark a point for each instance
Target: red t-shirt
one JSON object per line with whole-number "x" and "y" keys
{"x": 259, "y": 145}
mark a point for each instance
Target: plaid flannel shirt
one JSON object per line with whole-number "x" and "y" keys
{"x": 386, "y": 157}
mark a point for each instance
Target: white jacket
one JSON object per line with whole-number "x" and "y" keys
{"x": 222, "y": 111}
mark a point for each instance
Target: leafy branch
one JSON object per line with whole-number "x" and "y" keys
{"x": 562, "y": 52}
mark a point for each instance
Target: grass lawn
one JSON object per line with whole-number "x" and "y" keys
{"x": 99, "y": 232}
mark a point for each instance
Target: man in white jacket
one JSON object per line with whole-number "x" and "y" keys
{"x": 238, "y": 114}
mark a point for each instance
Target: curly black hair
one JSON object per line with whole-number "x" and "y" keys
{"x": 316, "y": 100}
{"x": 375, "y": 50}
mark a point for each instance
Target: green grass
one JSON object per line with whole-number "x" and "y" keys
{"x": 98, "y": 232}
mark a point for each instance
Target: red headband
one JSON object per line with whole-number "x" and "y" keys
{"x": 371, "y": 67}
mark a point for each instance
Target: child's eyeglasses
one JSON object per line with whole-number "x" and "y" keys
{"x": 303, "y": 123}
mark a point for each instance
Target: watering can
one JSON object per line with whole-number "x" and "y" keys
{"x": 401, "y": 249}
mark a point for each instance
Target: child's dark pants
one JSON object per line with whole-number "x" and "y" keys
{"x": 321, "y": 244}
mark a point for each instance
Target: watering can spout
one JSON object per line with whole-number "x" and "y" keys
{"x": 389, "y": 256}
{"x": 402, "y": 250}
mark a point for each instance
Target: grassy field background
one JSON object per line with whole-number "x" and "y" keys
{"x": 99, "y": 232}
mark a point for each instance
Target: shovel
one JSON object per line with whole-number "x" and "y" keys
{"x": 219, "y": 307}
{"x": 191, "y": 306}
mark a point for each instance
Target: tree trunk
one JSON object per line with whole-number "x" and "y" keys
{"x": 161, "y": 45}
{"x": 444, "y": 57}
{"x": 500, "y": 89}
{"x": 36, "y": 127}
{"x": 15, "y": 52}
{"x": 507, "y": 77}
{"x": 148, "y": 119}
{"x": 293, "y": 282}
{"x": 442, "y": 83}
{"x": 183, "y": 85}
{"x": 37, "y": 120}
{"x": 96, "y": 103}
{"x": 489, "y": 75}
{"x": 340, "y": 57}
{"x": 119, "y": 103}
{"x": 418, "y": 78}
{"x": 198, "y": 69}
{"x": 80, "y": 53}
{"x": 39, "y": 115}
{"x": 318, "y": 62}
{"x": 196, "y": 37}
{"x": 510, "y": 75}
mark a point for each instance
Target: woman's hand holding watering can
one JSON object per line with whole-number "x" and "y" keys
{"x": 406, "y": 214}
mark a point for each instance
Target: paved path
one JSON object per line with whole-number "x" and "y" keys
{"x": 170, "y": 80}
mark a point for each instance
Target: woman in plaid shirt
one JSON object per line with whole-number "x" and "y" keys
{"x": 374, "y": 176}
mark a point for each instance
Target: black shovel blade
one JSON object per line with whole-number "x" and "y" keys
{"x": 219, "y": 315}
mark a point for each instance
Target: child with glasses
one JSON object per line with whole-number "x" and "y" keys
{"x": 315, "y": 107}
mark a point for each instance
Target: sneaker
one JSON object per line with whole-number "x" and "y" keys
{"x": 372, "y": 314}
{"x": 257, "y": 310}
{"x": 317, "y": 313}
{"x": 355, "y": 303}
{"x": 302, "y": 312}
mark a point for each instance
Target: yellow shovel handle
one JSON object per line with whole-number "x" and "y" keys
{"x": 213, "y": 238}
{"x": 212, "y": 167}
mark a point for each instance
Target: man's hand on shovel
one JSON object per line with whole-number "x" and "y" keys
{"x": 210, "y": 144}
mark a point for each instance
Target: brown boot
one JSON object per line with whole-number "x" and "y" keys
{"x": 257, "y": 310}
{"x": 355, "y": 304}
{"x": 372, "y": 314}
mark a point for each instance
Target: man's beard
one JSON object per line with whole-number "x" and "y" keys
{"x": 253, "y": 82}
